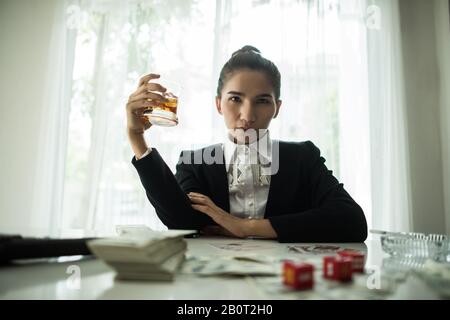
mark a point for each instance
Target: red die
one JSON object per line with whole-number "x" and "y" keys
{"x": 298, "y": 276}
{"x": 357, "y": 259}
{"x": 337, "y": 268}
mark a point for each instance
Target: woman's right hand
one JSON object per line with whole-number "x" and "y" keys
{"x": 139, "y": 101}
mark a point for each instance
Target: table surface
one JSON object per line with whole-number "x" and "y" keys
{"x": 54, "y": 279}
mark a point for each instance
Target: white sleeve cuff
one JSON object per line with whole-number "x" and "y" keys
{"x": 145, "y": 154}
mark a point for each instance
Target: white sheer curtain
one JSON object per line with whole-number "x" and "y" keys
{"x": 47, "y": 215}
{"x": 319, "y": 46}
{"x": 117, "y": 43}
{"x": 391, "y": 195}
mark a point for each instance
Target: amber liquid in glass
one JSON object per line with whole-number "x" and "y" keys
{"x": 170, "y": 106}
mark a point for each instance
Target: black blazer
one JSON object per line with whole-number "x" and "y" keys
{"x": 306, "y": 203}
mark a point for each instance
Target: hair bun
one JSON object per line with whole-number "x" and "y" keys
{"x": 246, "y": 49}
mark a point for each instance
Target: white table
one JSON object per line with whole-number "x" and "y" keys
{"x": 54, "y": 280}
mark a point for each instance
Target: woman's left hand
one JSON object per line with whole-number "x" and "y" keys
{"x": 236, "y": 226}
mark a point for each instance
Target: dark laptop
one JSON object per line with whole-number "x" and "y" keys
{"x": 15, "y": 247}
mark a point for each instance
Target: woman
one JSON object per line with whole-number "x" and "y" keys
{"x": 255, "y": 186}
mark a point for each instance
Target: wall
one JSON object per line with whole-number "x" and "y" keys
{"x": 25, "y": 36}
{"x": 442, "y": 24}
{"x": 422, "y": 90}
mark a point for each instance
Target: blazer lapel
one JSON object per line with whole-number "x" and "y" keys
{"x": 275, "y": 196}
{"x": 216, "y": 175}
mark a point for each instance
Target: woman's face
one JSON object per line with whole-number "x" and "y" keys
{"x": 247, "y": 103}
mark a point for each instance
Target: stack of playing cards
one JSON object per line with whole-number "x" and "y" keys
{"x": 139, "y": 253}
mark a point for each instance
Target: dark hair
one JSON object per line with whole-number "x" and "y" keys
{"x": 249, "y": 57}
